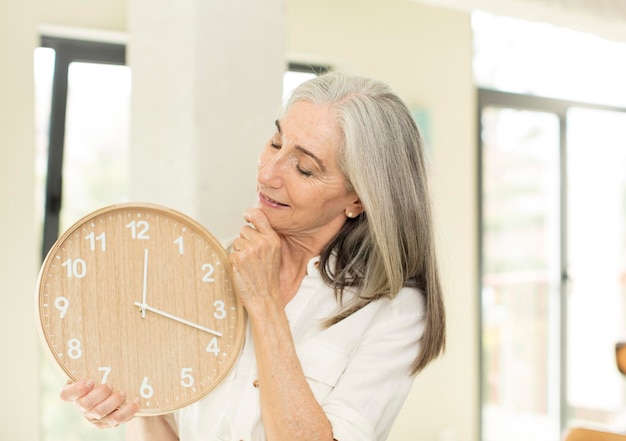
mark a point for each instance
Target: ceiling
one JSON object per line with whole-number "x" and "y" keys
{"x": 606, "y": 18}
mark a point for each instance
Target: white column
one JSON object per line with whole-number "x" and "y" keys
{"x": 207, "y": 85}
{"x": 19, "y": 253}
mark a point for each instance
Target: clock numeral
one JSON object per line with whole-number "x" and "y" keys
{"x": 62, "y": 304}
{"x": 208, "y": 272}
{"x": 139, "y": 229}
{"x": 92, "y": 238}
{"x": 220, "y": 310}
{"x": 74, "y": 350}
{"x": 146, "y": 391}
{"x": 106, "y": 371}
{"x": 75, "y": 268}
{"x": 186, "y": 379}
{"x": 179, "y": 242}
{"x": 213, "y": 347}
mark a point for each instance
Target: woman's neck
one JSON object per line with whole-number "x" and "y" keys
{"x": 295, "y": 258}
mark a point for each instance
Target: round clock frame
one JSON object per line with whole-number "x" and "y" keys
{"x": 141, "y": 297}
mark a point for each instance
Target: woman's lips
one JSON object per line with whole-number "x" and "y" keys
{"x": 269, "y": 201}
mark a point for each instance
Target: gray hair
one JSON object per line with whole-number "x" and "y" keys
{"x": 391, "y": 244}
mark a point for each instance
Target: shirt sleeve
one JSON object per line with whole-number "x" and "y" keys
{"x": 376, "y": 381}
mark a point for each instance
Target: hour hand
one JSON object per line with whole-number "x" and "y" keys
{"x": 145, "y": 307}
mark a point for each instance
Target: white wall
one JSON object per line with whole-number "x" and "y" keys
{"x": 18, "y": 264}
{"x": 424, "y": 53}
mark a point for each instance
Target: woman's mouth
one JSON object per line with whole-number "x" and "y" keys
{"x": 265, "y": 200}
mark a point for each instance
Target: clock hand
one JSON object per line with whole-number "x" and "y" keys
{"x": 145, "y": 306}
{"x": 145, "y": 282}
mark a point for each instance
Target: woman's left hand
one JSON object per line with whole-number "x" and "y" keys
{"x": 256, "y": 258}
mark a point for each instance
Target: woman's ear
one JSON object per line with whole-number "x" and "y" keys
{"x": 354, "y": 209}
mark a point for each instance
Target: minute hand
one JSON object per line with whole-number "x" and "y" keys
{"x": 145, "y": 306}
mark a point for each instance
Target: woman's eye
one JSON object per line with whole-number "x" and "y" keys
{"x": 304, "y": 172}
{"x": 276, "y": 141}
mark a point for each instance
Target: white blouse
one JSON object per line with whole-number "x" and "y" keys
{"x": 358, "y": 369}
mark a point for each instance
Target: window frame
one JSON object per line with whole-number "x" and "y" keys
{"x": 501, "y": 99}
{"x": 67, "y": 51}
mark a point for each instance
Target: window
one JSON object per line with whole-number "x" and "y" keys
{"x": 83, "y": 93}
{"x": 299, "y": 73}
{"x": 553, "y": 233}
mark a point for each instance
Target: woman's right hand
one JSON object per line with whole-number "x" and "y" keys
{"x": 99, "y": 404}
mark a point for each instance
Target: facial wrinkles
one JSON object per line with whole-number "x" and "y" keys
{"x": 315, "y": 134}
{"x": 292, "y": 186}
{"x": 294, "y": 160}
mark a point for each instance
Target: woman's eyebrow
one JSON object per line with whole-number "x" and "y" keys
{"x": 303, "y": 150}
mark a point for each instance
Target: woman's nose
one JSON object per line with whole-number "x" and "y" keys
{"x": 270, "y": 170}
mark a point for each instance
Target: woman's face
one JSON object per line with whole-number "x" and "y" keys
{"x": 301, "y": 189}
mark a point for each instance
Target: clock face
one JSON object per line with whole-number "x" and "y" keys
{"x": 140, "y": 297}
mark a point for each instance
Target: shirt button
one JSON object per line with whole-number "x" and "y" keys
{"x": 255, "y": 383}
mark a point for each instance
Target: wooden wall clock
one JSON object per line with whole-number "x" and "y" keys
{"x": 141, "y": 297}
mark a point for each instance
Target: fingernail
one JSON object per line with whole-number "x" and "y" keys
{"x": 90, "y": 384}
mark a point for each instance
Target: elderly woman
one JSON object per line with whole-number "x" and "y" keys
{"x": 336, "y": 269}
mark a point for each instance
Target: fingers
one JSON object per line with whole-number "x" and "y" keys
{"x": 73, "y": 391}
{"x": 98, "y": 403}
{"x": 125, "y": 412}
{"x": 258, "y": 220}
{"x": 255, "y": 253}
{"x": 257, "y": 228}
{"x": 116, "y": 417}
{"x": 112, "y": 411}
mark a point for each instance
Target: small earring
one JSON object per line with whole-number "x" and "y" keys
{"x": 350, "y": 215}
